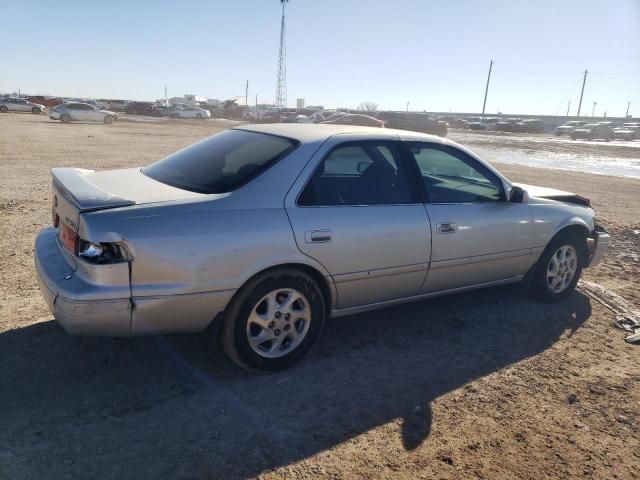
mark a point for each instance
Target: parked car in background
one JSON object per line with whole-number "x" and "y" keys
{"x": 331, "y": 118}
{"x": 568, "y": 127}
{"x": 625, "y": 133}
{"x": 534, "y": 125}
{"x": 415, "y": 122}
{"x": 459, "y": 123}
{"x": 610, "y": 124}
{"x": 191, "y": 112}
{"x": 81, "y": 112}
{"x": 477, "y": 126}
{"x": 13, "y": 104}
{"x": 635, "y": 127}
{"x": 142, "y": 108}
{"x": 302, "y": 222}
{"x": 592, "y": 131}
{"x": 513, "y": 125}
{"x": 356, "y": 119}
{"x": 46, "y": 101}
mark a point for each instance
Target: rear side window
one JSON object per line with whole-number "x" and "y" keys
{"x": 220, "y": 163}
{"x": 363, "y": 173}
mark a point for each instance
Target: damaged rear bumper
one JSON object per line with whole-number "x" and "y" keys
{"x": 82, "y": 308}
{"x": 597, "y": 244}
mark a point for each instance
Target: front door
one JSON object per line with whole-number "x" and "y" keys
{"x": 478, "y": 235}
{"x": 358, "y": 216}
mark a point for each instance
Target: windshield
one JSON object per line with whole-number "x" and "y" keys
{"x": 220, "y": 163}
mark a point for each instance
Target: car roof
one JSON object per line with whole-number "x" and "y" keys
{"x": 310, "y": 132}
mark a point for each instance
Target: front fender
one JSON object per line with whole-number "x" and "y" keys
{"x": 550, "y": 217}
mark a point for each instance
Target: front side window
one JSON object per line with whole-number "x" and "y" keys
{"x": 451, "y": 176}
{"x": 362, "y": 173}
{"x": 220, "y": 163}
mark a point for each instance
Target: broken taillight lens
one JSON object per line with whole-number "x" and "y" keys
{"x": 101, "y": 253}
{"x": 55, "y": 218}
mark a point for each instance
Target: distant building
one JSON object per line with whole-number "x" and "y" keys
{"x": 300, "y": 103}
{"x": 188, "y": 99}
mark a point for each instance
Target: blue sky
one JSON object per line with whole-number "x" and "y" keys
{"x": 433, "y": 54}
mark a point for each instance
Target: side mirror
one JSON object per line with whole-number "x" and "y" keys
{"x": 518, "y": 195}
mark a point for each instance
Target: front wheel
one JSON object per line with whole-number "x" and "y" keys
{"x": 199, "y": 116}
{"x": 36, "y": 111}
{"x": 65, "y": 118}
{"x": 559, "y": 268}
{"x": 273, "y": 321}
{"x": 108, "y": 119}
{"x": 4, "y": 109}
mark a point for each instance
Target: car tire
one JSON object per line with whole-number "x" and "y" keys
{"x": 199, "y": 116}
{"x": 65, "y": 118}
{"x": 108, "y": 119}
{"x": 559, "y": 268}
{"x": 36, "y": 111}
{"x": 4, "y": 109}
{"x": 259, "y": 310}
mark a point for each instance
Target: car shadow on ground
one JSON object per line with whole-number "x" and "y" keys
{"x": 170, "y": 407}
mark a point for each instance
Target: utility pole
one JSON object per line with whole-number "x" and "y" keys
{"x": 486, "y": 90}
{"x": 568, "y": 107}
{"x": 584, "y": 80}
{"x": 246, "y": 94}
{"x": 594, "y": 108}
{"x": 166, "y": 101}
{"x": 628, "y": 105}
{"x": 407, "y": 107}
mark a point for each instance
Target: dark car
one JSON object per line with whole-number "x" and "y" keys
{"x": 142, "y": 108}
{"x": 459, "y": 123}
{"x": 415, "y": 122}
{"x": 534, "y": 125}
{"x": 593, "y": 131}
{"x": 514, "y": 125}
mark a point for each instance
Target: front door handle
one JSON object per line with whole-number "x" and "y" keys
{"x": 317, "y": 236}
{"x": 447, "y": 227}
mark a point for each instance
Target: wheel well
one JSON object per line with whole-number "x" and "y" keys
{"x": 576, "y": 231}
{"x": 313, "y": 273}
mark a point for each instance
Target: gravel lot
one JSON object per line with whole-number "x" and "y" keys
{"x": 487, "y": 384}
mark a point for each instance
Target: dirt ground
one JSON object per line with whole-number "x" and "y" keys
{"x": 487, "y": 384}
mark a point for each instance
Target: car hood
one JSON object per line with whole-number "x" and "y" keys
{"x": 553, "y": 194}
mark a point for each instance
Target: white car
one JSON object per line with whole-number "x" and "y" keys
{"x": 20, "y": 105}
{"x": 82, "y": 112}
{"x": 191, "y": 112}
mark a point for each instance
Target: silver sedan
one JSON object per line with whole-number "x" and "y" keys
{"x": 82, "y": 112}
{"x": 11, "y": 104}
{"x": 267, "y": 230}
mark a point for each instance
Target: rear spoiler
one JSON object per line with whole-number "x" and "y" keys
{"x": 71, "y": 182}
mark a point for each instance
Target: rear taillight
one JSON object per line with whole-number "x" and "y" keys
{"x": 55, "y": 218}
{"x": 101, "y": 253}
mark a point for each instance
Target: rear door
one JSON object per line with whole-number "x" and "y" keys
{"x": 354, "y": 210}
{"x": 478, "y": 236}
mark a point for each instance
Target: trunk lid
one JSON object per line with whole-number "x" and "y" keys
{"x": 78, "y": 190}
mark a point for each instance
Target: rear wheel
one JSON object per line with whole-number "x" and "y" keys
{"x": 108, "y": 119}
{"x": 559, "y": 267}
{"x": 199, "y": 116}
{"x": 36, "y": 111}
{"x": 4, "y": 109}
{"x": 274, "y": 320}
{"x": 65, "y": 118}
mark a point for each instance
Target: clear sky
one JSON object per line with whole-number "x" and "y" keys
{"x": 433, "y": 54}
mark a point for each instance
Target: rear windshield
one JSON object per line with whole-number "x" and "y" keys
{"x": 220, "y": 163}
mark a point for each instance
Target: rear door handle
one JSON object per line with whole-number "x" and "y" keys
{"x": 317, "y": 236}
{"x": 446, "y": 227}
